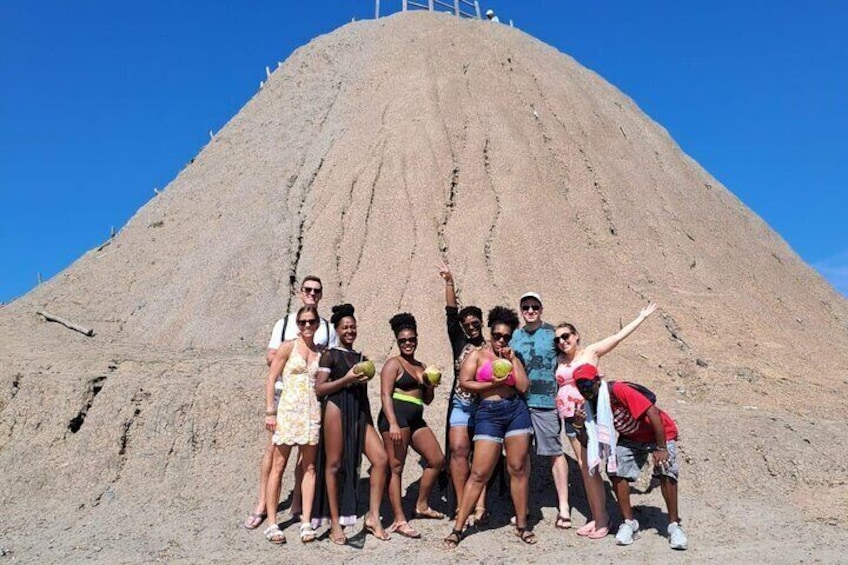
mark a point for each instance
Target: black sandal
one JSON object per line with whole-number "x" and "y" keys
{"x": 453, "y": 539}
{"x": 525, "y": 535}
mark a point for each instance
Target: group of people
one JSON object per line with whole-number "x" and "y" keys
{"x": 519, "y": 389}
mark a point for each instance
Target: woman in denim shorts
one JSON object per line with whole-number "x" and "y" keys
{"x": 502, "y": 422}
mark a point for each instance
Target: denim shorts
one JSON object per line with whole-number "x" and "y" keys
{"x": 632, "y": 456}
{"x": 499, "y": 419}
{"x": 461, "y": 413}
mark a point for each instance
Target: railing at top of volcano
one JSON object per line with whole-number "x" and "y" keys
{"x": 460, "y": 8}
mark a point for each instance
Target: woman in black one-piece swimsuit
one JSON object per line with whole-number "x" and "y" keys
{"x": 347, "y": 431}
{"x": 404, "y": 393}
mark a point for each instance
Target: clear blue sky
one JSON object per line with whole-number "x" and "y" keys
{"x": 101, "y": 101}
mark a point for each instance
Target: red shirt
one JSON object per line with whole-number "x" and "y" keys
{"x": 629, "y": 413}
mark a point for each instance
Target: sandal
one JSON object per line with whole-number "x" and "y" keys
{"x": 404, "y": 529}
{"x": 586, "y": 528}
{"x": 563, "y": 522}
{"x": 254, "y": 520}
{"x": 338, "y": 537}
{"x": 275, "y": 535}
{"x": 525, "y": 535}
{"x": 480, "y": 517}
{"x": 383, "y": 536}
{"x": 453, "y": 539}
{"x": 307, "y": 534}
{"x": 428, "y": 514}
{"x": 598, "y": 533}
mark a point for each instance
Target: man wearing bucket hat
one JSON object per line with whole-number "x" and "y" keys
{"x": 490, "y": 15}
{"x": 643, "y": 430}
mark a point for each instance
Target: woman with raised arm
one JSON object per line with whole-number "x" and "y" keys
{"x": 465, "y": 331}
{"x": 502, "y": 422}
{"x": 347, "y": 432}
{"x": 571, "y": 356}
{"x": 404, "y": 392}
{"x": 296, "y": 420}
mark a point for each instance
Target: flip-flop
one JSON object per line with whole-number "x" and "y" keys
{"x": 404, "y": 529}
{"x": 598, "y": 533}
{"x": 254, "y": 520}
{"x": 562, "y": 522}
{"x": 338, "y": 538}
{"x": 586, "y": 529}
{"x": 428, "y": 514}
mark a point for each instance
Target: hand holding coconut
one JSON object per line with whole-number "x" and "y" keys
{"x": 432, "y": 376}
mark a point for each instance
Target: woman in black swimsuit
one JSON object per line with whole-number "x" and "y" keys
{"x": 404, "y": 392}
{"x": 347, "y": 431}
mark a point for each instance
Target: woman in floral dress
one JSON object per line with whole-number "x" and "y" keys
{"x": 295, "y": 421}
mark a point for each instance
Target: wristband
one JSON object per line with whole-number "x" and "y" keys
{"x": 576, "y": 427}
{"x": 270, "y": 412}
{"x": 662, "y": 449}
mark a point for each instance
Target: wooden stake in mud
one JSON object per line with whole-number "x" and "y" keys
{"x": 68, "y": 324}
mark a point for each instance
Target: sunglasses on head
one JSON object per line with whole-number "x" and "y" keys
{"x": 529, "y": 307}
{"x": 404, "y": 340}
{"x": 307, "y": 322}
{"x": 498, "y": 336}
{"x": 311, "y": 290}
{"x": 563, "y": 337}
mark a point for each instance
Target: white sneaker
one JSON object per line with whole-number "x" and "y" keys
{"x": 628, "y": 532}
{"x": 677, "y": 537}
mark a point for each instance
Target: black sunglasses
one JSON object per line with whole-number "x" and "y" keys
{"x": 311, "y": 290}
{"x": 405, "y": 340}
{"x": 475, "y": 325}
{"x": 497, "y": 336}
{"x": 563, "y": 337}
{"x": 307, "y": 322}
{"x": 528, "y": 307}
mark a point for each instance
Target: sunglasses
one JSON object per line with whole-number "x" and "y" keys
{"x": 307, "y": 322}
{"x": 475, "y": 325}
{"x": 563, "y": 337}
{"x": 497, "y": 336}
{"x": 529, "y": 307}
{"x": 405, "y": 340}
{"x": 310, "y": 290}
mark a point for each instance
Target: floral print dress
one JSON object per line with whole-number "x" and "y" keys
{"x": 299, "y": 412}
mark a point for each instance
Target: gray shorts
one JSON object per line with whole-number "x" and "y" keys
{"x": 546, "y": 430}
{"x": 632, "y": 456}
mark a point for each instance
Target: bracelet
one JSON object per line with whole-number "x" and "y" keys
{"x": 270, "y": 412}
{"x": 662, "y": 449}
{"x": 448, "y": 283}
{"x": 576, "y": 427}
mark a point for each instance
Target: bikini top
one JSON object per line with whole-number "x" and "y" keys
{"x": 407, "y": 382}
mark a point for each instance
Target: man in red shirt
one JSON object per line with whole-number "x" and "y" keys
{"x": 643, "y": 430}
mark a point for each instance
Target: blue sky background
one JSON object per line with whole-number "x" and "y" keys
{"x": 101, "y": 101}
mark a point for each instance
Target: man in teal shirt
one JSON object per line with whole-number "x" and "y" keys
{"x": 534, "y": 345}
